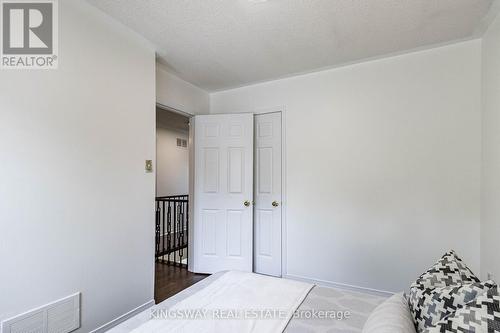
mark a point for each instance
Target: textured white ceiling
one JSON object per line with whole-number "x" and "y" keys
{"x": 218, "y": 44}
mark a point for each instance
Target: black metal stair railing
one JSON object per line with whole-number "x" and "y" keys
{"x": 172, "y": 230}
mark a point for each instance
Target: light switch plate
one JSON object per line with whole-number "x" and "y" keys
{"x": 149, "y": 166}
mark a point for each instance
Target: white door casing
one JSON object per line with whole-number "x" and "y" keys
{"x": 223, "y": 182}
{"x": 268, "y": 190}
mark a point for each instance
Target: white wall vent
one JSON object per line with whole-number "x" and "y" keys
{"x": 182, "y": 143}
{"x": 61, "y": 316}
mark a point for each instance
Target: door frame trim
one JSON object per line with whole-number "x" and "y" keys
{"x": 284, "y": 202}
{"x": 281, "y": 109}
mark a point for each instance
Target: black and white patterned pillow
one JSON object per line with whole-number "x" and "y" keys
{"x": 480, "y": 315}
{"x": 429, "y": 305}
{"x": 448, "y": 271}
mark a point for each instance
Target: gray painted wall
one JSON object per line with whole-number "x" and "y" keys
{"x": 490, "y": 212}
{"x": 76, "y": 207}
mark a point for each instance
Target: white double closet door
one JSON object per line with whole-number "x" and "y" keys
{"x": 236, "y": 194}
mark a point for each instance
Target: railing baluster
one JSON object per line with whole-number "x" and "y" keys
{"x": 175, "y": 233}
{"x": 163, "y": 232}
{"x": 157, "y": 230}
{"x": 169, "y": 230}
{"x": 181, "y": 231}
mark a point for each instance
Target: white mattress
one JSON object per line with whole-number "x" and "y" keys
{"x": 359, "y": 305}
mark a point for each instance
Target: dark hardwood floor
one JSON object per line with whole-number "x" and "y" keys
{"x": 170, "y": 280}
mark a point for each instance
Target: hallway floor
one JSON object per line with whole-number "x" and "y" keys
{"x": 170, "y": 280}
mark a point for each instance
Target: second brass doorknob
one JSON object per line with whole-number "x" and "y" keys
{"x": 246, "y": 203}
{"x": 275, "y": 204}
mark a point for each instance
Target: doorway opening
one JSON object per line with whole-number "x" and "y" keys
{"x": 172, "y": 204}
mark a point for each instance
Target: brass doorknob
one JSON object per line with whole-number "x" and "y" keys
{"x": 246, "y": 203}
{"x": 275, "y": 204}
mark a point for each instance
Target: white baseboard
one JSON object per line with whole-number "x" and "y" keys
{"x": 343, "y": 286}
{"x": 106, "y": 327}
